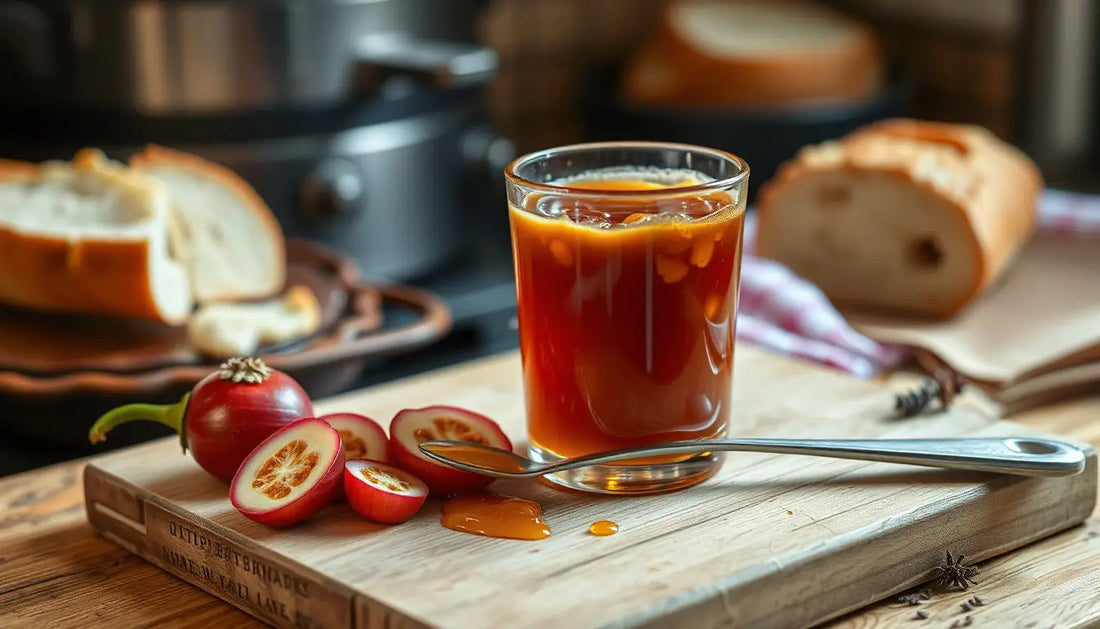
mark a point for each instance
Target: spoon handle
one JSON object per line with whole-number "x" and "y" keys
{"x": 1006, "y": 455}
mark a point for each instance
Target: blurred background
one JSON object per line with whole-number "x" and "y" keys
{"x": 1025, "y": 69}
{"x": 380, "y": 129}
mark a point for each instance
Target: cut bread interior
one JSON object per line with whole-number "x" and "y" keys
{"x": 88, "y": 236}
{"x": 233, "y": 244}
{"x": 875, "y": 239}
{"x": 753, "y": 52}
{"x": 226, "y": 330}
{"x": 763, "y": 28}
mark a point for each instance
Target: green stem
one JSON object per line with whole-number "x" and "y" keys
{"x": 170, "y": 415}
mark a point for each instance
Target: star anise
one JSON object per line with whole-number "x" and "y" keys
{"x": 955, "y": 573}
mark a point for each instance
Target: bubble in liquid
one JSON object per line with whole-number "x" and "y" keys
{"x": 551, "y": 206}
{"x": 582, "y": 214}
{"x": 659, "y": 218}
{"x": 573, "y": 210}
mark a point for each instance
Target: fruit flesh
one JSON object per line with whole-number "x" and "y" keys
{"x": 361, "y": 436}
{"x": 384, "y": 479}
{"x": 291, "y": 475}
{"x": 383, "y": 493}
{"x": 287, "y": 469}
{"x": 411, "y": 427}
{"x": 354, "y": 446}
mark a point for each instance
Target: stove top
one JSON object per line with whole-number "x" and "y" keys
{"x": 480, "y": 292}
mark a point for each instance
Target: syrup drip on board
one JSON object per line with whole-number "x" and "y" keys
{"x": 495, "y": 515}
{"x": 603, "y": 528}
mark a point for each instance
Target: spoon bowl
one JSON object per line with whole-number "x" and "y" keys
{"x": 1021, "y": 456}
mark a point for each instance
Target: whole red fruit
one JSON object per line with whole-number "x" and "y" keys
{"x": 225, "y": 416}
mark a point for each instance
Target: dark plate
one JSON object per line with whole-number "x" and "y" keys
{"x": 48, "y": 343}
{"x": 54, "y": 404}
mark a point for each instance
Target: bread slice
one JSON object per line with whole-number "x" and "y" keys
{"x": 904, "y": 216}
{"x": 88, "y": 236}
{"x": 226, "y": 330}
{"x": 753, "y": 52}
{"x": 228, "y": 238}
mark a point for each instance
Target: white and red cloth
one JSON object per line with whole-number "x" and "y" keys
{"x": 782, "y": 312}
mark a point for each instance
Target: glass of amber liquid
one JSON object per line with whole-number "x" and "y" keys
{"x": 627, "y": 261}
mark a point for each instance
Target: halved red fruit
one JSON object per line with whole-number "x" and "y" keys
{"x": 291, "y": 475}
{"x": 383, "y": 493}
{"x": 362, "y": 437}
{"x": 411, "y": 427}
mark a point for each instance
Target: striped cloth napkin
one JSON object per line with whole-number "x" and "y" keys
{"x": 782, "y": 312}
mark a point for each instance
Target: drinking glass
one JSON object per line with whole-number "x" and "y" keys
{"x": 627, "y": 261}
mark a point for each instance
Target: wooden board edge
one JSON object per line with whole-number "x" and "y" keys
{"x": 215, "y": 559}
{"x": 374, "y": 614}
{"x": 782, "y": 598}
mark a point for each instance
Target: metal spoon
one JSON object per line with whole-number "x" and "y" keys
{"x": 1006, "y": 455}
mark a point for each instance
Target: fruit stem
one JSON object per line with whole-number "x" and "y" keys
{"x": 170, "y": 415}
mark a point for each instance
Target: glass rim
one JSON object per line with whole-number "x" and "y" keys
{"x": 707, "y": 186}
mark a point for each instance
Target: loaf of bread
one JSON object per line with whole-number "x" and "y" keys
{"x": 905, "y": 216}
{"x": 753, "y": 52}
{"x": 224, "y": 233}
{"x": 150, "y": 240}
{"x": 225, "y": 330}
{"x": 88, "y": 236}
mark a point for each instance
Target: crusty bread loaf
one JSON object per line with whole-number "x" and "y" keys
{"x": 228, "y": 238}
{"x": 225, "y": 330}
{"x": 88, "y": 236}
{"x": 905, "y": 216}
{"x": 753, "y": 52}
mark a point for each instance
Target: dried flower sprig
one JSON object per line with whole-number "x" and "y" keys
{"x": 943, "y": 386}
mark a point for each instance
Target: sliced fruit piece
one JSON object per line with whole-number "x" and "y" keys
{"x": 381, "y": 492}
{"x": 291, "y": 475}
{"x": 411, "y": 427}
{"x": 362, "y": 437}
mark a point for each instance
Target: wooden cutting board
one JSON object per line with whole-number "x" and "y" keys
{"x": 771, "y": 541}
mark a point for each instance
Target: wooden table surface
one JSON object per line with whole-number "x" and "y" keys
{"x": 55, "y": 572}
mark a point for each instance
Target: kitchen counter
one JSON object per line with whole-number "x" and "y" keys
{"x": 55, "y": 572}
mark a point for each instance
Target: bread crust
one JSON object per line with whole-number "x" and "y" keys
{"x": 86, "y": 275}
{"x": 693, "y": 76}
{"x": 14, "y": 169}
{"x": 153, "y": 155}
{"x": 992, "y": 185}
{"x": 301, "y": 299}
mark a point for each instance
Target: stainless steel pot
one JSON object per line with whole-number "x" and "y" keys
{"x": 400, "y": 196}
{"x": 1057, "y": 95}
{"x": 216, "y": 57}
{"x": 359, "y": 121}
